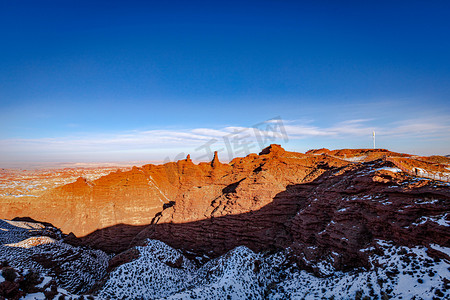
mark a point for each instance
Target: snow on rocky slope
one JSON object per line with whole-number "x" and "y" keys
{"x": 394, "y": 273}
{"x": 159, "y": 272}
{"x": 34, "y": 246}
{"x": 163, "y": 272}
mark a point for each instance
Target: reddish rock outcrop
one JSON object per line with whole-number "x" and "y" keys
{"x": 343, "y": 210}
{"x": 317, "y": 203}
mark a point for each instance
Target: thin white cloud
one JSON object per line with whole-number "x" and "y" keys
{"x": 209, "y": 132}
{"x": 232, "y": 140}
{"x": 419, "y": 127}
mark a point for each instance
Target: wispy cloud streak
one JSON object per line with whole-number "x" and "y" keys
{"x": 69, "y": 147}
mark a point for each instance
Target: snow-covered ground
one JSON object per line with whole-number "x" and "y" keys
{"x": 24, "y": 245}
{"x": 441, "y": 220}
{"x": 159, "y": 272}
{"x": 393, "y": 170}
{"x": 395, "y": 273}
{"x": 162, "y": 272}
{"x": 404, "y": 273}
{"x": 355, "y": 158}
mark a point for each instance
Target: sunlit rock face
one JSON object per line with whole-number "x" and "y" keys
{"x": 275, "y": 199}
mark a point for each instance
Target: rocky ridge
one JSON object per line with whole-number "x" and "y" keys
{"x": 327, "y": 213}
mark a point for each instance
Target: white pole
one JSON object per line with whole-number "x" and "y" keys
{"x": 373, "y": 136}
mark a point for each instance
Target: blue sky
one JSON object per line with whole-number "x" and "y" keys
{"x": 148, "y": 80}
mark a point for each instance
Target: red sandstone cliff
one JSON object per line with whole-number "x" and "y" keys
{"x": 313, "y": 202}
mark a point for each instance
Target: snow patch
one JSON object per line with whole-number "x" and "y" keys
{"x": 440, "y": 220}
{"x": 445, "y": 250}
{"x": 393, "y": 170}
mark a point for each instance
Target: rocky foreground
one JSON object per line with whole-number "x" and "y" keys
{"x": 278, "y": 225}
